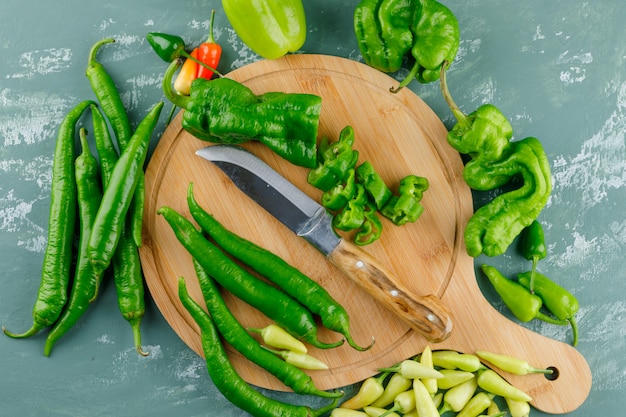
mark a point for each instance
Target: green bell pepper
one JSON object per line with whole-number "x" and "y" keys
{"x": 225, "y": 111}
{"x": 270, "y": 28}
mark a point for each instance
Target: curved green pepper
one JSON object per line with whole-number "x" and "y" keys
{"x": 270, "y": 28}
{"x": 524, "y": 305}
{"x": 556, "y": 299}
{"x": 225, "y": 111}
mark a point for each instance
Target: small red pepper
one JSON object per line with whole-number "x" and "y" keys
{"x": 209, "y": 52}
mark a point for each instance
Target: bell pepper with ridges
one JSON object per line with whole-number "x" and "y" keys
{"x": 270, "y": 28}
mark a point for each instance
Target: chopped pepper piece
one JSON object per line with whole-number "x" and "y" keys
{"x": 406, "y": 207}
{"x": 373, "y": 183}
{"x": 337, "y": 197}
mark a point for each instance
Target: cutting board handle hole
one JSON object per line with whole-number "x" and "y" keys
{"x": 554, "y": 375}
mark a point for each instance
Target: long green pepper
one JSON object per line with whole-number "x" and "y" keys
{"x": 225, "y": 377}
{"x": 234, "y": 333}
{"x": 291, "y": 280}
{"x": 109, "y": 98}
{"x": 275, "y": 304}
{"x": 57, "y": 262}
{"x": 89, "y": 194}
{"x": 110, "y": 221}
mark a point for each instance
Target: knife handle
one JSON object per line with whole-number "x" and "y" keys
{"x": 425, "y": 314}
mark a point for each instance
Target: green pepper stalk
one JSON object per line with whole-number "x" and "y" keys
{"x": 270, "y": 28}
{"x": 275, "y": 336}
{"x": 371, "y": 389}
{"x": 456, "y": 398}
{"x": 524, "y": 305}
{"x": 533, "y": 248}
{"x": 493, "y": 383}
{"x": 396, "y": 384}
{"x": 172, "y": 47}
{"x": 557, "y": 299}
{"x": 511, "y": 364}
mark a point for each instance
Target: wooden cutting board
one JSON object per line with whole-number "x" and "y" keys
{"x": 400, "y": 135}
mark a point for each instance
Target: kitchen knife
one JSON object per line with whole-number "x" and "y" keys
{"x": 310, "y": 220}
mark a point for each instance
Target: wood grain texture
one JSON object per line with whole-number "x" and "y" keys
{"x": 400, "y": 135}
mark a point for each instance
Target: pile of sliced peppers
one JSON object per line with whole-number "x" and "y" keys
{"x": 355, "y": 194}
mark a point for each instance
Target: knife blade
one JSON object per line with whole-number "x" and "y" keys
{"x": 308, "y": 219}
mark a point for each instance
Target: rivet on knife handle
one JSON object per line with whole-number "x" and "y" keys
{"x": 425, "y": 314}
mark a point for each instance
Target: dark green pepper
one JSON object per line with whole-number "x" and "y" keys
{"x": 406, "y": 207}
{"x": 524, "y": 305}
{"x": 337, "y": 197}
{"x": 387, "y": 30}
{"x": 383, "y": 31}
{"x": 225, "y": 111}
{"x": 353, "y": 214}
{"x": 556, "y": 299}
{"x": 334, "y": 160}
{"x": 374, "y": 185}
{"x": 372, "y": 227}
{"x": 533, "y": 248}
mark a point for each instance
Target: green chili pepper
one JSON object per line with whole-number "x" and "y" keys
{"x": 337, "y": 197}
{"x": 234, "y": 333}
{"x": 406, "y": 207}
{"x": 127, "y": 272}
{"x": 172, "y": 47}
{"x": 524, "y": 305}
{"x": 89, "y": 194}
{"x": 533, "y": 248}
{"x": 373, "y": 183}
{"x": 452, "y": 378}
{"x": 451, "y": 359}
{"x": 225, "y": 377}
{"x": 412, "y": 369}
{"x": 299, "y": 360}
{"x": 493, "y": 383}
{"x": 518, "y": 408}
{"x": 372, "y": 227}
{"x": 511, "y": 364}
{"x": 57, "y": 262}
{"x": 275, "y": 304}
{"x": 226, "y": 111}
{"x": 476, "y": 405}
{"x": 270, "y": 28}
{"x": 109, "y": 222}
{"x": 109, "y": 98}
{"x": 424, "y": 403}
{"x": 291, "y": 280}
{"x": 396, "y": 384}
{"x": 370, "y": 391}
{"x": 456, "y": 398}
{"x": 383, "y": 31}
{"x": 556, "y": 299}
{"x": 277, "y": 337}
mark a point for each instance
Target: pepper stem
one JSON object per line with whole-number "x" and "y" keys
{"x": 460, "y": 116}
{"x": 172, "y": 95}
{"x": 574, "y": 325}
{"x": 407, "y": 80}
{"x": 137, "y": 337}
{"x": 211, "y": 38}
{"x": 94, "y": 49}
